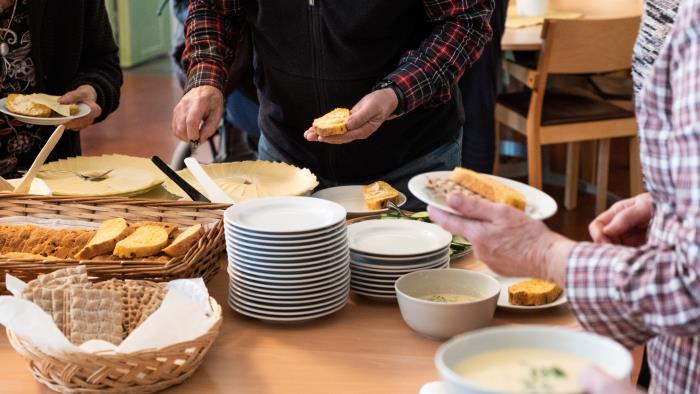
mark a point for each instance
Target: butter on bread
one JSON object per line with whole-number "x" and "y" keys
{"x": 488, "y": 188}
{"x": 533, "y": 292}
{"x": 145, "y": 241}
{"x": 105, "y": 239}
{"x": 378, "y": 194}
{"x": 38, "y": 105}
{"x": 332, "y": 123}
{"x": 184, "y": 241}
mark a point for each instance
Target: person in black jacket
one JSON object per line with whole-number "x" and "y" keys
{"x": 56, "y": 47}
{"x": 394, "y": 63}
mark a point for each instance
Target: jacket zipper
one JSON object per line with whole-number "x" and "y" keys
{"x": 319, "y": 95}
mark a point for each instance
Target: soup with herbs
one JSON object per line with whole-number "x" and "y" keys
{"x": 524, "y": 370}
{"x": 448, "y": 298}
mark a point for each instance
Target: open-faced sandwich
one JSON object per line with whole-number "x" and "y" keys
{"x": 378, "y": 194}
{"x": 470, "y": 182}
{"x": 332, "y": 123}
{"x": 38, "y": 105}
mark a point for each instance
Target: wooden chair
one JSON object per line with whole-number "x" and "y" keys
{"x": 573, "y": 47}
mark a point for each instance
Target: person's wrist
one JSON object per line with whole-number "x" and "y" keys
{"x": 398, "y": 107}
{"x": 390, "y": 99}
{"x": 554, "y": 250}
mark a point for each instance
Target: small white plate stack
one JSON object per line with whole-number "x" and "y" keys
{"x": 288, "y": 258}
{"x": 381, "y": 251}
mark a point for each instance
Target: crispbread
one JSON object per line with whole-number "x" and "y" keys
{"x": 184, "y": 241}
{"x": 332, "y": 123}
{"x": 27, "y": 256}
{"x": 142, "y": 302}
{"x": 52, "y": 301}
{"x": 59, "y": 278}
{"x": 533, "y": 292}
{"x": 108, "y": 234}
{"x": 94, "y": 314}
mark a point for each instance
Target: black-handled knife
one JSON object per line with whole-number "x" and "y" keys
{"x": 193, "y": 193}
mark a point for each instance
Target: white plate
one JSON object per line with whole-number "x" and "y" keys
{"x": 289, "y": 275}
{"x": 380, "y": 297}
{"x": 293, "y": 307}
{"x": 254, "y": 266}
{"x": 315, "y": 277}
{"x": 400, "y": 268}
{"x": 538, "y": 204}
{"x": 393, "y": 238}
{"x": 294, "y": 319}
{"x": 317, "y": 283}
{"x": 285, "y": 215}
{"x": 287, "y": 297}
{"x": 391, "y": 274}
{"x": 503, "y": 297}
{"x": 292, "y": 258}
{"x": 386, "y": 291}
{"x": 271, "y": 248}
{"x": 291, "y": 238}
{"x": 370, "y": 259}
{"x": 288, "y": 265}
{"x": 83, "y": 110}
{"x": 284, "y": 242}
{"x": 352, "y": 199}
{"x": 300, "y": 313}
{"x": 291, "y": 291}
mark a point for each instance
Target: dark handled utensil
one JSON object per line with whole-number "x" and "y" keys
{"x": 193, "y": 193}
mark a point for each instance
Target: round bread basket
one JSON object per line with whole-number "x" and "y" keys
{"x": 146, "y": 371}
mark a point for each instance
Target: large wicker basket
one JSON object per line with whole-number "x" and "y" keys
{"x": 200, "y": 261}
{"x": 146, "y": 371}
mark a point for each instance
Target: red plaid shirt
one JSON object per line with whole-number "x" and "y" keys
{"x": 425, "y": 74}
{"x": 651, "y": 294}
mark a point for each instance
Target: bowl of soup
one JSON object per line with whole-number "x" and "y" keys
{"x": 520, "y": 360}
{"x": 442, "y": 303}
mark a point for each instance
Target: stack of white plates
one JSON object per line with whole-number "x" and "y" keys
{"x": 381, "y": 251}
{"x": 288, "y": 258}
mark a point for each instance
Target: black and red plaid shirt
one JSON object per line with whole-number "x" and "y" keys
{"x": 425, "y": 74}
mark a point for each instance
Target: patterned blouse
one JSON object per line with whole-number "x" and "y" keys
{"x": 651, "y": 294}
{"x": 19, "y": 142}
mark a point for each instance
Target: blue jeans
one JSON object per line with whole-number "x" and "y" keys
{"x": 444, "y": 158}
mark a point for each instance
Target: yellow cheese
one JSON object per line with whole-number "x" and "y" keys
{"x": 52, "y": 102}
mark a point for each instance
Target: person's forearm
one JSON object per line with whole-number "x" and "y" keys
{"x": 554, "y": 255}
{"x": 427, "y": 74}
{"x": 210, "y": 34}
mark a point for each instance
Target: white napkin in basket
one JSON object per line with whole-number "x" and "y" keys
{"x": 185, "y": 314}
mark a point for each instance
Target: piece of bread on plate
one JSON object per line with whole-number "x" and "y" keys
{"x": 145, "y": 241}
{"x": 105, "y": 239}
{"x": 378, "y": 194}
{"x": 21, "y": 104}
{"x": 184, "y": 241}
{"x": 332, "y": 123}
{"x": 488, "y": 188}
{"x": 532, "y": 292}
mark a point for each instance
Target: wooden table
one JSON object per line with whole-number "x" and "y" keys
{"x": 528, "y": 38}
{"x": 364, "y": 348}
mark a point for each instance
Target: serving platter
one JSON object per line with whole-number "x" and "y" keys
{"x": 538, "y": 204}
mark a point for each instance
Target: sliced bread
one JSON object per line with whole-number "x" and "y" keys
{"x": 105, "y": 239}
{"x": 23, "y": 105}
{"x": 332, "y": 123}
{"x": 184, "y": 241}
{"x": 488, "y": 188}
{"x": 145, "y": 241}
{"x": 533, "y": 292}
{"x": 378, "y": 194}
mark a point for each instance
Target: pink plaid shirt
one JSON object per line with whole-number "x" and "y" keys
{"x": 651, "y": 294}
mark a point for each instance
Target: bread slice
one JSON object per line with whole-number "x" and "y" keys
{"x": 105, "y": 239}
{"x": 533, "y": 292}
{"x": 332, "y": 123}
{"x": 147, "y": 240}
{"x": 184, "y": 241}
{"x": 22, "y": 105}
{"x": 377, "y": 195}
{"x": 488, "y": 188}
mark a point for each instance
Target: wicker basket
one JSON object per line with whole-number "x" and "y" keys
{"x": 146, "y": 371}
{"x": 201, "y": 261}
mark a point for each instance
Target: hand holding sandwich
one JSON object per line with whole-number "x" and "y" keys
{"x": 365, "y": 118}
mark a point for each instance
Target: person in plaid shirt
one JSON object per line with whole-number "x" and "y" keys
{"x": 640, "y": 281}
{"x": 395, "y": 63}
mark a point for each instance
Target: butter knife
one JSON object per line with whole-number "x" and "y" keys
{"x": 213, "y": 190}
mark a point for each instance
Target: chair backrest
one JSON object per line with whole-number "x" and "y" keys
{"x": 579, "y": 46}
